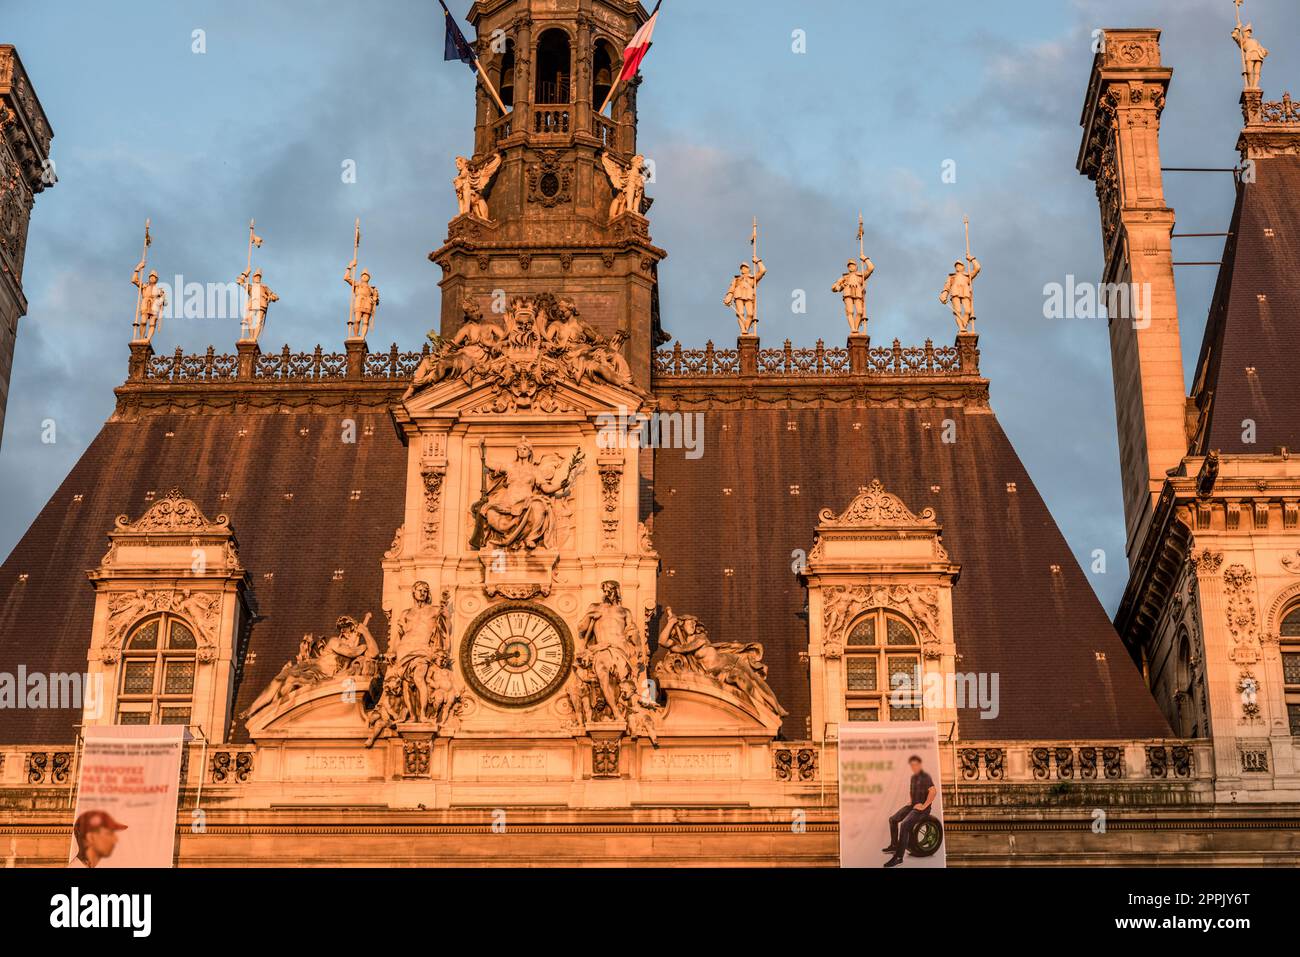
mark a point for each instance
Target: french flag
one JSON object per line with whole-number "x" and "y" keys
{"x": 639, "y": 47}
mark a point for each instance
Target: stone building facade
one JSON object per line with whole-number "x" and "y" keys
{"x": 484, "y": 604}
{"x": 25, "y": 170}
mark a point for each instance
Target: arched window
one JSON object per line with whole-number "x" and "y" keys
{"x": 157, "y": 673}
{"x": 882, "y": 666}
{"x": 602, "y": 72}
{"x": 1291, "y": 666}
{"x": 553, "y": 69}
{"x": 506, "y": 76}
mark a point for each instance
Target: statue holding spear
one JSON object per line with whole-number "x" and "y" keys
{"x": 259, "y": 294}
{"x": 853, "y": 286}
{"x": 959, "y": 291}
{"x": 152, "y": 298}
{"x": 1252, "y": 51}
{"x": 742, "y": 294}
{"x": 365, "y": 297}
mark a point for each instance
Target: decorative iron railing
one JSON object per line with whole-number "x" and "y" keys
{"x": 282, "y": 366}
{"x": 895, "y": 360}
{"x": 1284, "y": 110}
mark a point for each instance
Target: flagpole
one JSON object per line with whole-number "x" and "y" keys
{"x": 619, "y": 80}
{"x": 478, "y": 64}
{"x": 490, "y": 88}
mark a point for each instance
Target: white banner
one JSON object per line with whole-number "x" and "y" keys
{"x": 127, "y": 793}
{"x": 891, "y": 798}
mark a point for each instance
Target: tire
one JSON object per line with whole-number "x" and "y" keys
{"x": 927, "y": 837}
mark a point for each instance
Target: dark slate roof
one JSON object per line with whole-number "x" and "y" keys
{"x": 1043, "y": 632}
{"x": 1245, "y": 331}
{"x": 45, "y": 621}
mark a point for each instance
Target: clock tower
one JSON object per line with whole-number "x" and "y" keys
{"x": 545, "y": 199}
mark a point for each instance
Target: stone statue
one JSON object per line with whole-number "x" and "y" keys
{"x": 611, "y": 650}
{"x": 153, "y": 300}
{"x": 422, "y": 632}
{"x": 629, "y": 184}
{"x": 351, "y": 652}
{"x": 742, "y": 294}
{"x": 260, "y": 298}
{"x": 391, "y": 709}
{"x": 470, "y": 184}
{"x": 727, "y": 663}
{"x": 1252, "y": 54}
{"x": 853, "y": 287}
{"x": 365, "y": 300}
{"x": 466, "y": 354}
{"x": 516, "y": 509}
{"x": 958, "y": 292}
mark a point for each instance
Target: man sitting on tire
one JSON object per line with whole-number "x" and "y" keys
{"x": 907, "y": 817}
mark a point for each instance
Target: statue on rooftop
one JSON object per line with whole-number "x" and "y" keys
{"x": 351, "y": 652}
{"x": 1252, "y": 51}
{"x": 365, "y": 297}
{"x": 853, "y": 286}
{"x": 738, "y": 665}
{"x": 959, "y": 290}
{"x": 471, "y": 182}
{"x": 152, "y": 299}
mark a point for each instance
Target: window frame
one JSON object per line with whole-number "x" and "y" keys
{"x": 878, "y": 699}
{"x": 154, "y": 703}
{"x": 1290, "y": 645}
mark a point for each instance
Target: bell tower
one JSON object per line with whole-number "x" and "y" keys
{"x": 545, "y": 199}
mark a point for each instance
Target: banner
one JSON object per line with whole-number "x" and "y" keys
{"x": 128, "y": 788}
{"x": 891, "y": 798}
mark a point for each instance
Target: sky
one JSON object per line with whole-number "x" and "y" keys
{"x": 802, "y": 114}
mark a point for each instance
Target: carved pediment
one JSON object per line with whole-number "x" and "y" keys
{"x": 874, "y": 507}
{"x": 174, "y": 514}
{"x": 540, "y": 348}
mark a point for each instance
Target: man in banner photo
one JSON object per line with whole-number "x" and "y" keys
{"x": 891, "y": 801}
{"x": 128, "y": 786}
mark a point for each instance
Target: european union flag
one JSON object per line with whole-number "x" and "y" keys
{"x": 457, "y": 47}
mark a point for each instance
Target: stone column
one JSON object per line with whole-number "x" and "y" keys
{"x": 357, "y": 350}
{"x": 138, "y": 366}
{"x": 248, "y": 353}
{"x": 747, "y": 349}
{"x": 859, "y": 350}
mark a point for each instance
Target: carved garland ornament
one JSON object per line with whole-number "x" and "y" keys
{"x": 844, "y": 603}
{"x": 1243, "y": 619}
{"x": 201, "y": 610}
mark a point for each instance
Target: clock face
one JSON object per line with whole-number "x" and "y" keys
{"x": 516, "y": 654}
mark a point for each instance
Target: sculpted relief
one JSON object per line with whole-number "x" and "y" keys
{"x": 735, "y": 665}
{"x": 517, "y": 505}
{"x": 543, "y": 341}
{"x": 350, "y": 653}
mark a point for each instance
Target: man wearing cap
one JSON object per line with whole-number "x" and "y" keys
{"x": 96, "y": 836}
{"x": 922, "y": 795}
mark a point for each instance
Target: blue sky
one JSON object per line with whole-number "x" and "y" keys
{"x": 738, "y": 125}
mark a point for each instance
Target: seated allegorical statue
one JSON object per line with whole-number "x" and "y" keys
{"x": 352, "y": 651}
{"x": 737, "y": 664}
